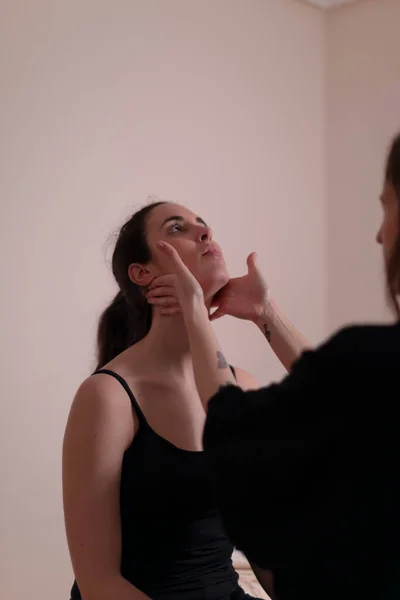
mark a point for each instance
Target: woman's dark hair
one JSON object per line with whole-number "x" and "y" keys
{"x": 392, "y": 176}
{"x": 128, "y": 318}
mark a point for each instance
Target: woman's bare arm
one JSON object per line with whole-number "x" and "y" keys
{"x": 99, "y": 430}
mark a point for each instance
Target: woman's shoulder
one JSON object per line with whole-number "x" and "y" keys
{"x": 101, "y": 397}
{"x": 99, "y": 416}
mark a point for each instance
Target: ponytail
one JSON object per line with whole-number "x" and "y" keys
{"x": 128, "y": 318}
{"x": 120, "y": 326}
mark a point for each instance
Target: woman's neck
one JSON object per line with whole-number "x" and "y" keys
{"x": 167, "y": 341}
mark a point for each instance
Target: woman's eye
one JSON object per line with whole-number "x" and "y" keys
{"x": 176, "y": 227}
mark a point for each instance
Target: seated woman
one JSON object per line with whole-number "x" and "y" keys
{"x": 141, "y": 514}
{"x": 325, "y": 441}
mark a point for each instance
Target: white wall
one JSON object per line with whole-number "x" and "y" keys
{"x": 218, "y": 105}
{"x": 363, "y": 69}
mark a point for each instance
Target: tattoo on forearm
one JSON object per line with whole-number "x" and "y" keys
{"x": 222, "y": 364}
{"x": 267, "y": 332}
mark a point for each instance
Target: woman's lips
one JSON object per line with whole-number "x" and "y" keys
{"x": 213, "y": 251}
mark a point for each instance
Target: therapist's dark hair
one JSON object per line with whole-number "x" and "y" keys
{"x": 128, "y": 318}
{"x": 392, "y": 176}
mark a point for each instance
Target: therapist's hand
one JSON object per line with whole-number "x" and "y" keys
{"x": 179, "y": 291}
{"x": 243, "y": 297}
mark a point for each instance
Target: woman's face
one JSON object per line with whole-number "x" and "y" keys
{"x": 193, "y": 240}
{"x": 388, "y": 230}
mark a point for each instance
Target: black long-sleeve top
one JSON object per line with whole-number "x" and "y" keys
{"x": 324, "y": 444}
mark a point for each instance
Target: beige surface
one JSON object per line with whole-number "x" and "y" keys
{"x": 247, "y": 578}
{"x": 250, "y": 584}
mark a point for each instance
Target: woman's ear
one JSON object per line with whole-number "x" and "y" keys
{"x": 141, "y": 274}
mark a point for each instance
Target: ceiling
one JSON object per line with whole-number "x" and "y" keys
{"x": 329, "y": 3}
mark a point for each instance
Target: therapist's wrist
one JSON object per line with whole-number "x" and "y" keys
{"x": 268, "y": 310}
{"x": 268, "y": 314}
{"x": 195, "y": 310}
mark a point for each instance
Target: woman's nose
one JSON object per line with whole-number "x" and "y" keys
{"x": 205, "y": 234}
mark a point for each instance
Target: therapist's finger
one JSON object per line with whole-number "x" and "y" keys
{"x": 163, "y": 280}
{"x": 164, "y": 301}
{"x": 160, "y": 291}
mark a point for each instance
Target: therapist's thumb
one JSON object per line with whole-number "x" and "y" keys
{"x": 252, "y": 262}
{"x": 170, "y": 258}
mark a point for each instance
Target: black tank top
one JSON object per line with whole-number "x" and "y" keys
{"x": 173, "y": 543}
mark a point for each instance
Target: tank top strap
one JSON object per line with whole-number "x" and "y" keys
{"x": 121, "y": 380}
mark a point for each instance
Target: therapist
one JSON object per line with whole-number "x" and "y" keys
{"x": 324, "y": 442}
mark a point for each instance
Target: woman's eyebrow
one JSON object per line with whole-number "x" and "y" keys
{"x": 179, "y": 218}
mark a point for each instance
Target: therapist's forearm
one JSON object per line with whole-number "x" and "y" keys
{"x": 211, "y": 370}
{"x": 287, "y": 343}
